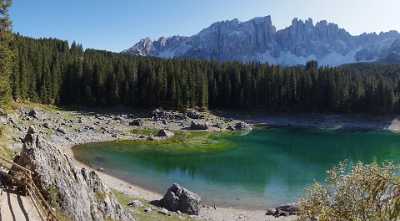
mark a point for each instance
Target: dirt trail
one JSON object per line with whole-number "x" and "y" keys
{"x": 17, "y": 208}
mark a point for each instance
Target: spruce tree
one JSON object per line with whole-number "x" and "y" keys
{"x": 6, "y": 54}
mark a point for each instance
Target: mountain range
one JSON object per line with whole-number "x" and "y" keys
{"x": 258, "y": 40}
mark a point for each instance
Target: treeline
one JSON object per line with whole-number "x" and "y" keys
{"x": 53, "y": 72}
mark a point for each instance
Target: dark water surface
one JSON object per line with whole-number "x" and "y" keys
{"x": 264, "y": 168}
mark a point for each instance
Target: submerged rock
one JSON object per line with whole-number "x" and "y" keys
{"x": 178, "y": 198}
{"x": 79, "y": 193}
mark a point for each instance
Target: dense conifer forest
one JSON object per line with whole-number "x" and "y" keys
{"x": 51, "y": 71}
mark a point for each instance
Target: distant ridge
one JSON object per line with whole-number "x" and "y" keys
{"x": 259, "y": 40}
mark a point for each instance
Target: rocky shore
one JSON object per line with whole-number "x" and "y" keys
{"x": 64, "y": 129}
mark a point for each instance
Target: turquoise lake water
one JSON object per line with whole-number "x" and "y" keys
{"x": 264, "y": 168}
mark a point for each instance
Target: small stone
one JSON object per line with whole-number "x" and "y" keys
{"x": 194, "y": 115}
{"x": 33, "y": 113}
{"x": 198, "y": 125}
{"x": 270, "y": 212}
{"x": 164, "y": 211}
{"x": 61, "y": 130}
{"x": 147, "y": 210}
{"x": 31, "y": 130}
{"x": 165, "y": 133}
{"x": 135, "y": 204}
{"x": 136, "y": 122}
{"x": 46, "y": 125}
{"x": 242, "y": 126}
{"x": 285, "y": 210}
{"x": 101, "y": 169}
{"x": 230, "y": 128}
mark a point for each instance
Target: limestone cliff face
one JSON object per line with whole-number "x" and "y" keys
{"x": 258, "y": 40}
{"x": 78, "y": 193}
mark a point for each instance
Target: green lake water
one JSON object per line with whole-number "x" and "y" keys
{"x": 264, "y": 168}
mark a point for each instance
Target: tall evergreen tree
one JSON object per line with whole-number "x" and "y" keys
{"x": 6, "y": 54}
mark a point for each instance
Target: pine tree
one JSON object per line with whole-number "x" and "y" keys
{"x": 6, "y": 54}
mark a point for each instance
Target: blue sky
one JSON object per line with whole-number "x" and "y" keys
{"x": 118, "y": 24}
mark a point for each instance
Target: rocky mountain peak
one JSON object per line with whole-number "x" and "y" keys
{"x": 259, "y": 40}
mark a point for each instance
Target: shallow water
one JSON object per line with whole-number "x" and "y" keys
{"x": 264, "y": 168}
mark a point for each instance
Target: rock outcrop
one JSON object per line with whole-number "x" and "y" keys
{"x": 258, "y": 40}
{"x": 285, "y": 210}
{"x": 180, "y": 199}
{"x": 78, "y": 193}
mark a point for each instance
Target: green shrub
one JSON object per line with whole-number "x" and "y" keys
{"x": 366, "y": 192}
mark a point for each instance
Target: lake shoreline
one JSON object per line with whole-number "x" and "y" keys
{"x": 67, "y": 129}
{"x": 155, "y": 191}
{"x": 321, "y": 121}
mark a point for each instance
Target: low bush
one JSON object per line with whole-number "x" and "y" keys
{"x": 357, "y": 192}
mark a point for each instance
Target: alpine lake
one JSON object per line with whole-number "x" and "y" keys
{"x": 263, "y": 168}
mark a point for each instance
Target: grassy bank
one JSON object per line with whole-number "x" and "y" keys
{"x": 181, "y": 142}
{"x": 5, "y": 151}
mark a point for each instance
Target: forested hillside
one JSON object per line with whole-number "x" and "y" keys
{"x": 50, "y": 71}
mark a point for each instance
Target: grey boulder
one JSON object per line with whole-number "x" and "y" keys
{"x": 178, "y": 198}
{"x": 198, "y": 125}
